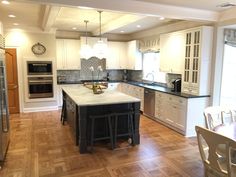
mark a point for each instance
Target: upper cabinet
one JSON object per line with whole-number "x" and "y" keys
{"x": 172, "y": 52}
{"x": 117, "y": 58}
{"x": 124, "y": 55}
{"x": 197, "y": 61}
{"x": 68, "y": 54}
{"x": 1, "y": 28}
{"x": 134, "y": 56}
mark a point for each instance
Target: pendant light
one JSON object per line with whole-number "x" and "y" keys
{"x": 86, "y": 50}
{"x": 100, "y": 48}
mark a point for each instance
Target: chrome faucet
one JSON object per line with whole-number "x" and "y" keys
{"x": 151, "y": 75}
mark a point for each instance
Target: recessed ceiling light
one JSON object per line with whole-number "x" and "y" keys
{"x": 74, "y": 28}
{"x": 5, "y": 2}
{"x": 138, "y": 26}
{"x": 15, "y": 24}
{"x": 161, "y": 18}
{"x": 11, "y": 16}
{"x": 122, "y": 31}
{"x": 83, "y": 7}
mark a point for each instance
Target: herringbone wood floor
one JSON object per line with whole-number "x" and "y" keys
{"x": 41, "y": 146}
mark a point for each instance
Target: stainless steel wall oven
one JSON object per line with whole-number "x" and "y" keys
{"x": 39, "y": 67}
{"x": 40, "y": 87}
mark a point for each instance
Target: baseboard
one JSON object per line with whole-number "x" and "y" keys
{"x": 40, "y": 109}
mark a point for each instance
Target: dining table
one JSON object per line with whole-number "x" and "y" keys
{"x": 228, "y": 130}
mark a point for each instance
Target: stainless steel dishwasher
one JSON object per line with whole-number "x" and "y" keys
{"x": 149, "y": 103}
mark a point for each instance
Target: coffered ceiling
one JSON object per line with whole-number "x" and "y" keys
{"x": 32, "y": 16}
{"x": 119, "y": 17}
{"x": 213, "y": 5}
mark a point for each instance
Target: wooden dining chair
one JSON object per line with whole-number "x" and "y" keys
{"x": 213, "y": 117}
{"x": 214, "y": 164}
{"x": 233, "y": 113}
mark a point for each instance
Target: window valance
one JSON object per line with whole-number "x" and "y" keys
{"x": 149, "y": 44}
{"x": 230, "y": 37}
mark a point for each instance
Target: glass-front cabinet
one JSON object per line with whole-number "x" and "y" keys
{"x": 196, "y": 75}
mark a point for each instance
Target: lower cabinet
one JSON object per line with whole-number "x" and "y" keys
{"x": 71, "y": 117}
{"x": 181, "y": 114}
{"x": 59, "y": 93}
{"x": 135, "y": 91}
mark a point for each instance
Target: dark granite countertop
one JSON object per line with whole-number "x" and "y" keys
{"x": 82, "y": 81}
{"x": 155, "y": 87}
{"x": 68, "y": 82}
{"x": 163, "y": 89}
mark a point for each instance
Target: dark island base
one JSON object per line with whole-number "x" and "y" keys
{"x": 84, "y": 124}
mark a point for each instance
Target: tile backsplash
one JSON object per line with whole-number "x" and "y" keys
{"x": 171, "y": 77}
{"x": 111, "y": 75}
{"x": 87, "y": 74}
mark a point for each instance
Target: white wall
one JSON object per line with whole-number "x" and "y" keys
{"x": 23, "y": 42}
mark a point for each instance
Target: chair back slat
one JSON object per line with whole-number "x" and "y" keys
{"x": 217, "y": 115}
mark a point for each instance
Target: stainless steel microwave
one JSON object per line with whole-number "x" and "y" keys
{"x": 39, "y": 67}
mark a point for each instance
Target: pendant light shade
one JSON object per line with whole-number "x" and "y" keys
{"x": 86, "y": 50}
{"x": 100, "y": 48}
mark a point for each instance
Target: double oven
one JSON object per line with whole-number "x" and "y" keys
{"x": 40, "y": 79}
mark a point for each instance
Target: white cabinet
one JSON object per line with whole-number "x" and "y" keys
{"x": 135, "y": 91}
{"x": 117, "y": 58}
{"x": 1, "y": 28}
{"x": 134, "y": 56}
{"x": 197, "y": 68}
{"x": 68, "y": 54}
{"x": 172, "y": 52}
{"x": 171, "y": 109}
{"x": 59, "y": 93}
{"x": 180, "y": 114}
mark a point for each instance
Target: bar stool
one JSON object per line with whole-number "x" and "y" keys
{"x": 63, "y": 111}
{"x": 130, "y": 122}
{"x": 107, "y": 118}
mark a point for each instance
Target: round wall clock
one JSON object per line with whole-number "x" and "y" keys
{"x": 38, "y": 49}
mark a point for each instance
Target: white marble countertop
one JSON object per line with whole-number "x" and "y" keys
{"x": 83, "y": 96}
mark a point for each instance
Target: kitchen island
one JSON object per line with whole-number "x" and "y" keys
{"x": 81, "y": 102}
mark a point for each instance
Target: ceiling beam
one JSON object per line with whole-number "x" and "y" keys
{"x": 141, "y": 7}
{"x": 49, "y": 17}
{"x": 117, "y": 23}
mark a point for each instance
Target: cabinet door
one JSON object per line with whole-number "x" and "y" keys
{"x": 112, "y": 61}
{"x": 123, "y": 59}
{"x": 192, "y": 62}
{"x": 170, "y": 115}
{"x": 195, "y": 64}
{"x": 1, "y": 28}
{"x": 72, "y": 53}
{"x": 180, "y": 116}
{"x": 172, "y": 52}
{"x": 180, "y": 109}
{"x": 59, "y": 96}
{"x": 134, "y": 56}
{"x": 60, "y": 54}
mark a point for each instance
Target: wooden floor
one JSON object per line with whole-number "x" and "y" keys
{"x": 41, "y": 146}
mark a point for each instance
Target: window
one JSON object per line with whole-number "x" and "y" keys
{"x": 151, "y": 65}
{"x": 228, "y": 85}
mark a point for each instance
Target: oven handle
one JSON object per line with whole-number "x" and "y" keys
{"x": 41, "y": 82}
